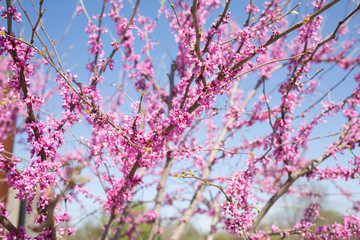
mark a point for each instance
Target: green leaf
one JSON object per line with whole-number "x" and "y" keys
{"x": 3, "y": 103}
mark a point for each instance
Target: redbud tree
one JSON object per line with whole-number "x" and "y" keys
{"x": 242, "y": 106}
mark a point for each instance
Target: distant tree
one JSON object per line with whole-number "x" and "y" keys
{"x": 93, "y": 229}
{"x": 190, "y": 232}
{"x": 327, "y": 217}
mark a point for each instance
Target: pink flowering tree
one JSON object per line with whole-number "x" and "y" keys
{"x": 237, "y": 117}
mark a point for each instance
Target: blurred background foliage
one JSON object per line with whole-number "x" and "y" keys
{"x": 289, "y": 212}
{"x": 93, "y": 229}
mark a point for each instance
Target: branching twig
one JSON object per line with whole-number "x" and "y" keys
{"x": 120, "y": 40}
